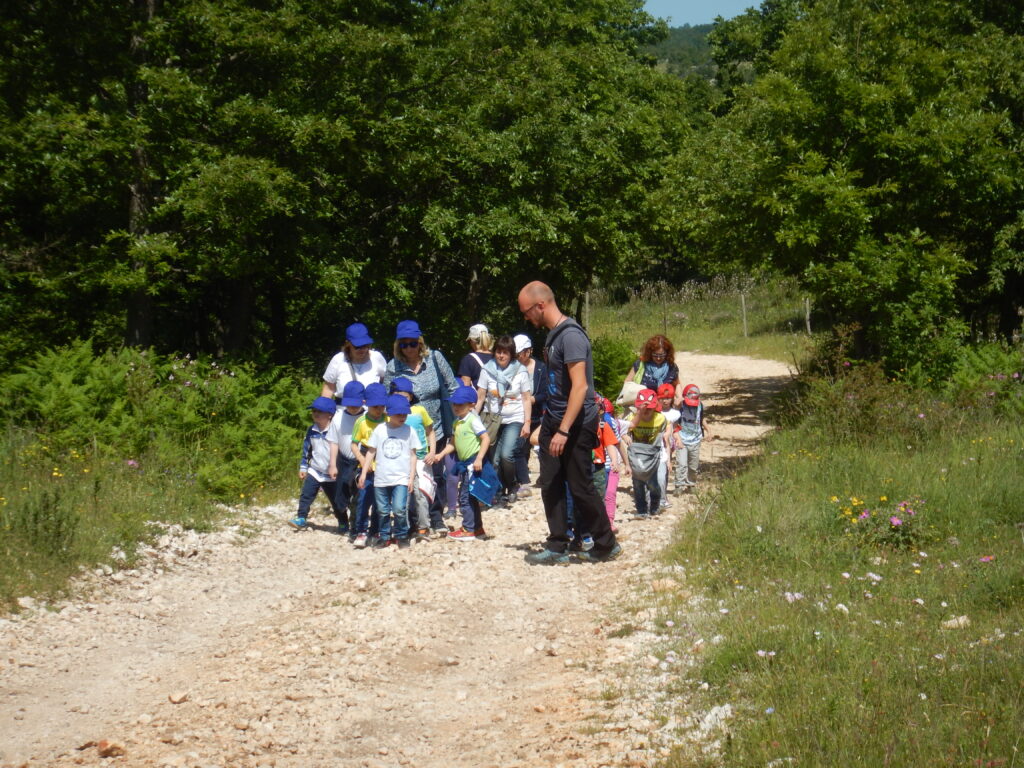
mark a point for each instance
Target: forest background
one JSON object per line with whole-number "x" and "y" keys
{"x": 243, "y": 179}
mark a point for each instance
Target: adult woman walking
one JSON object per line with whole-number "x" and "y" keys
{"x": 539, "y": 394}
{"x": 356, "y": 362}
{"x": 480, "y": 342}
{"x": 432, "y": 382}
{"x": 504, "y": 390}
{"x": 657, "y": 366}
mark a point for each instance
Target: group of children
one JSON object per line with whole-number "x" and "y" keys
{"x": 677, "y": 433}
{"x": 374, "y": 454}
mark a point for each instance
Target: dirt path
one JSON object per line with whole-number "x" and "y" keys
{"x": 285, "y": 649}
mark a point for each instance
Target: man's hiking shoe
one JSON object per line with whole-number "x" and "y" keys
{"x": 600, "y": 555}
{"x": 547, "y": 557}
{"x": 461, "y": 534}
{"x": 298, "y": 523}
{"x": 360, "y": 542}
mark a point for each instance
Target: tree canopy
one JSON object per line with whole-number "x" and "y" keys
{"x": 238, "y": 177}
{"x": 873, "y": 151}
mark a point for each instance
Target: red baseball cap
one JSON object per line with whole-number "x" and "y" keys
{"x": 666, "y": 390}
{"x": 647, "y": 398}
{"x": 691, "y": 394}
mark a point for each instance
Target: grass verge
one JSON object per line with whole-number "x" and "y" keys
{"x": 864, "y": 587}
{"x": 708, "y": 317}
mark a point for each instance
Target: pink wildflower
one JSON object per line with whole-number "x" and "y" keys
{"x": 895, "y": 521}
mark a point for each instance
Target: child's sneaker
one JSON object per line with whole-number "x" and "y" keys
{"x": 404, "y": 543}
{"x": 481, "y": 534}
{"x": 298, "y": 523}
{"x": 360, "y": 542}
{"x": 461, "y": 534}
{"x": 382, "y": 544}
{"x": 587, "y": 543}
{"x": 422, "y": 534}
{"x": 524, "y": 492}
{"x": 343, "y": 530}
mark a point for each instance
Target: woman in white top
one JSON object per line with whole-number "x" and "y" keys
{"x": 505, "y": 387}
{"x": 355, "y": 362}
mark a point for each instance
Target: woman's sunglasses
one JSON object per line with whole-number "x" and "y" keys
{"x": 407, "y": 344}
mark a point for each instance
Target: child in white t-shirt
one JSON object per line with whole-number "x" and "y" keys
{"x": 344, "y": 465}
{"x": 392, "y": 449}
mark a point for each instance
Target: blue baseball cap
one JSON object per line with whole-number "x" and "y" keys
{"x": 464, "y": 394}
{"x": 398, "y": 405}
{"x": 357, "y": 335}
{"x": 408, "y": 329}
{"x": 375, "y": 394}
{"x": 352, "y": 394}
{"x": 325, "y": 404}
{"x": 401, "y": 384}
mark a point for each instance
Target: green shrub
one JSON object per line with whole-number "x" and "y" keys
{"x": 989, "y": 375}
{"x": 613, "y": 357}
{"x": 228, "y": 426}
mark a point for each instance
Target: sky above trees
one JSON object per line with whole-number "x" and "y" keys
{"x": 693, "y": 12}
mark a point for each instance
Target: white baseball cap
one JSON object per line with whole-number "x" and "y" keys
{"x": 522, "y": 342}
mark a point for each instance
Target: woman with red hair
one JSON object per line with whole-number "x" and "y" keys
{"x": 657, "y": 366}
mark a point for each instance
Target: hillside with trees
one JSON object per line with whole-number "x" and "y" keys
{"x": 685, "y": 51}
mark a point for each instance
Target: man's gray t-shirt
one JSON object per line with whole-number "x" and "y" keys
{"x": 568, "y": 344}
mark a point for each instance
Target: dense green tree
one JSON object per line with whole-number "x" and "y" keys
{"x": 874, "y": 154}
{"x": 244, "y": 178}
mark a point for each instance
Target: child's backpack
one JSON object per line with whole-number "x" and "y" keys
{"x": 644, "y": 459}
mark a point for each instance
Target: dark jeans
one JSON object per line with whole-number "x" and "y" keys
{"x": 440, "y": 494}
{"x": 469, "y": 505}
{"x": 346, "y": 491}
{"x": 576, "y": 467}
{"x": 366, "y": 506}
{"x": 310, "y": 487}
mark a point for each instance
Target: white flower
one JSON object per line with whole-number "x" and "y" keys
{"x": 842, "y": 609}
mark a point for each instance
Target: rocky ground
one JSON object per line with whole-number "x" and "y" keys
{"x": 259, "y": 646}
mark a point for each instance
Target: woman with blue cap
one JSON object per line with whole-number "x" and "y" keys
{"x": 432, "y": 382}
{"x": 356, "y": 362}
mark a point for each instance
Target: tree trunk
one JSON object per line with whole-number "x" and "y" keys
{"x": 139, "y": 314}
{"x": 239, "y": 319}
